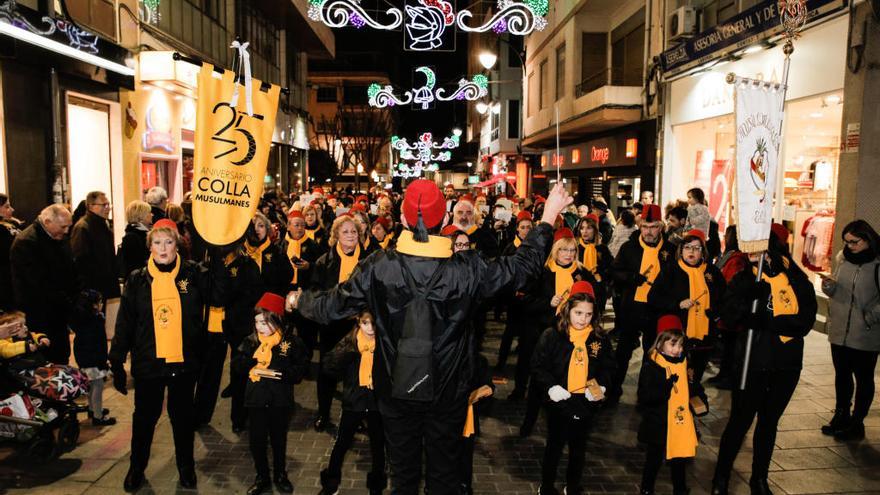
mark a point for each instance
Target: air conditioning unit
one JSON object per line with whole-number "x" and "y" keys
{"x": 682, "y": 23}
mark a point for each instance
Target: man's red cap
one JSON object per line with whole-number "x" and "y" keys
{"x": 272, "y": 302}
{"x": 467, "y": 197}
{"x": 523, "y": 216}
{"x": 582, "y": 287}
{"x": 667, "y": 323}
{"x": 423, "y": 195}
{"x": 593, "y": 217}
{"x": 384, "y": 222}
{"x": 362, "y": 197}
{"x": 165, "y": 224}
{"x": 563, "y": 233}
{"x": 780, "y": 232}
{"x": 318, "y": 190}
{"x": 539, "y": 199}
{"x": 357, "y": 207}
{"x": 295, "y": 214}
{"x": 652, "y": 213}
{"x": 696, "y": 233}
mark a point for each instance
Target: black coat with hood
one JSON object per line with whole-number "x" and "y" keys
{"x": 133, "y": 253}
{"x": 536, "y": 302}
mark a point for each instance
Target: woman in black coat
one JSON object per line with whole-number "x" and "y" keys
{"x": 315, "y": 230}
{"x": 275, "y": 268}
{"x": 594, "y": 255}
{"x": 9, "y": 228}
{"x": 695, "y": 301}
{"x": 167, "y": 358}
{"x": 786, "y": 312}
{"x": 133, "y": 252}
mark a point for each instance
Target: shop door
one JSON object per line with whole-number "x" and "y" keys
{"x": 88, "y": 138}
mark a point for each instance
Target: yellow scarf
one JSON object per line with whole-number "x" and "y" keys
{"x": 294, "y": 249}
{"x": 386, "y": 241}
{"x": 257, "y": 252}
{"x": 650, "y": 268}
{"x": 591, "y": 258}
{"x": 698, "y": 322}
{"x": 366, "y": 346}
{"x": 367, "y": 242}
{"x": 167, "y": 312}
{"x": 564, "y": 276}
{"x": 681, "y": 435}
{"x": 310, "y": 232}
{"x": 471, "y": 229}
{"x": 436, "y": 247}
{"x": 517, "y": 242}
{"x": 347, "y": 263}
{"x": 216, "y": 314}
{"x": 578, "y": 364}
{"x": 784, "y": 301}
{"x": 263, "y": 354}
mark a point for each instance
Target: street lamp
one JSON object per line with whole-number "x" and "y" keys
{"x": 456, "y": 131}
{"x": 496, "y": 108}
{"x": 488, "y": 59}
{"x": 482, "y": 108}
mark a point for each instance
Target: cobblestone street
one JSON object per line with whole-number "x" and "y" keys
{"x": 805, "y": 461}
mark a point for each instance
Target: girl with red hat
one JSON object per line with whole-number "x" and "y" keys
{"x": 692, "y": 288}
{"x": 572, "y": 366}
{"x": 274, "y": 360}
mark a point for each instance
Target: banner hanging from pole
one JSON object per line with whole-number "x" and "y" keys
{"x": 232, "y": 141}
{"x": 759, "y": 114}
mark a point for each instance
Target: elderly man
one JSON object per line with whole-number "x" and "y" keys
{"x": 157, "y": 197}
{"x": 482, "y": 237}
{"x": 44, "y": 278}
{"x": 91, "y": 243}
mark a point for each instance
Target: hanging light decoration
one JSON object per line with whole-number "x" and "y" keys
{"x": 381, "y": 97}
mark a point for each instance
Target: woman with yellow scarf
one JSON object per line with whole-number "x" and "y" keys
{"x": 275, "y": 270}
{"x": 692, "y": 290}
{"x": 594, "y": 254}
{"x": 160, "y": 323}
{"x": 573, "y": 365}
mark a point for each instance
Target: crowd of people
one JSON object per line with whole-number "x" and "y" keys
{"x": 394, "y": 291}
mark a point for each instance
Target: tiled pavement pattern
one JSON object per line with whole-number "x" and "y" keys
{"x": 805, "y": 461}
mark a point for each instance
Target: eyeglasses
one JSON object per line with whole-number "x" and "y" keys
{"x": 852, "y": 242}
{"x": 695, "y": 249}
{"x": 462, "y": 245}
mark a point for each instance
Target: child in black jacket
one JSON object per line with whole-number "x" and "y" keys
{"x": 274, "y": 360}
{"x": 572, "y": 364}
{"x": 352, "y": 359}
{"x": 668, "y": 428}
{"x": 90, "y": 351}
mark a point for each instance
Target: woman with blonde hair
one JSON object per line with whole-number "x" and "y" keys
{"x": 133, "y": 251}
{"x": 314, "y": 227}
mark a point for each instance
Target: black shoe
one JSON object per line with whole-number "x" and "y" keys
{"x": 376, "y": 483}
{"x": 282, "y": 482}
{"x": 329, "y": 484}
{"x": 261, "y": 485}
{"x": 719, "y": 486}
{"x": 760, "y": 486}
{"x": 547, "y": 490}
{"x": 104, "y": 413}
{"x": 133, "y": 480}
{"x": 105, "y": 421}
{"x": 239, "y": 429}
{"x": 321, "y": 423}
{"x": 517, "y": 395}
{"x": 646, "y": 491}
{"x": 227, "y": 392}
{"x": 853, "y": 431}
{"x": 573, "y": 491}
{"x": 188, "y": 478}
{"x": 838, "y": 423}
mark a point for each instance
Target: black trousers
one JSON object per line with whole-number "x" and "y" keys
{"x": 564, "y": 429}
{"x": 327, "y": 382}
{"x": 237, "y": 383}
{"x": 698, "y": 359}
{"x": 149, "y": 394}
{"x": 528, "y": 339}
{"x": 849, "y": 363}
{"x": 410, "y": 432}
{"x": 633, "y": 321}
{"x": 348, "y": 424}
{"x": 728, "y": 353}
{"x": 466, "y": 460}
{"x": 268, "y": 424}
{"x": 209, "y": 379}
{"x": 654, "y": 457}
{"x": 766, "y": 396}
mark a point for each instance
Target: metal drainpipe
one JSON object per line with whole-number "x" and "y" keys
{"x": 59, "y": 186}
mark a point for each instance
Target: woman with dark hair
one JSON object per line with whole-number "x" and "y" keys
{"x": 622, "y": 231}
{"x": 593, "y": 254}
{"x": 9, "y": 228}
{"x": 698, "y": 216}
{"x": 730, "y": 263}
{"x": 275, "y": 269}
{"x": 786, "y": 310}
{"x": 572, "y": 365}
{"x": 854, "y": 309}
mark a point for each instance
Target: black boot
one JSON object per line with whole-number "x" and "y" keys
{"x": 839, "y": 422}
{"x": 188, "y": 478}
{"x": 376, "y": 483}
{"x": 760, "y": 486}
{"x": 282, "y": 482}
{"x": 261, "y": 485}
{"x": 719, "y": 486}
{"x": 855, "y": 430}
{"x": 133, "y": 480}
{"x": 329, "y": 484}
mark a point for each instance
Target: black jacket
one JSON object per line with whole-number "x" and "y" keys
{"x": 484, "y": 241}
{"x": 653, "y": 399}
{"x": 321, "y": 236}
{"x": 309, "y": 251}
{"x": 276, "y": 271}
{"x": 550, "y": 367}
{"x": 133, "y": 252}
{"x": 94, "y": 255}
{"x": 44, "y": 279}
{"x": 673, "y": 286}
{"x": 325, "y": 276}
{"x": 90, "y": 342}
{"x": 465, "y": 280}
{"x": 536, "y": 302}
{"x": 345, "y": 361}
{"x": 625, "y": 269}
{"x": 134, "y": 322}
{"x": 289, "y": 357}
{"x": 245, "y": 289}
{"x": 768, "y": 350}
{"x": 606, "y": 228}
{"x": 9, "y": 229}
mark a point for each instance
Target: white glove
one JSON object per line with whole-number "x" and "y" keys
{"x": 590, "y": 396}
{"x": 558, "y": 393}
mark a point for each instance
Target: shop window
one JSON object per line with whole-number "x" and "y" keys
{"x": 265, "y": 43}
{"x": 545, "y": 84}
{"x": 594, "y": 63}
{"x": 327, "y": 94}
{"x": 628, "y": 51}
{"x": 496, "y": 123}
{"x": 512, "y": 119}
{"x": 560, "y": 72}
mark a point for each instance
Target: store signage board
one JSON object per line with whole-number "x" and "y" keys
{"x": 853, "y": 137}
{"x": 747, "y": 28}
{"x": 598, "y": 153}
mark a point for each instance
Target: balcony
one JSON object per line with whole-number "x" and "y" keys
{"x": 612, "y": 76}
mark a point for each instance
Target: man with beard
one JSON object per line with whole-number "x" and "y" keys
{"x": 482, "y": 238}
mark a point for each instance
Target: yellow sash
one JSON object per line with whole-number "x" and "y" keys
{"x": 347, "y": 263}
{"x": 257, "y": 252}
{"x": 564, "y": 276}
{"x": 784, "y": 301}
{"x": 263, "y": 354}
{"x": 591, "y": 258}
{"x": 436, "y": 247}
{"x": 294, "y": 248}
{"x": 681, "y": 435}
{"x": 578, "y": 364}
{"x": 650, "y": 268}
{"x": 517, "y": 242}
{"x": 167, "y": 317}
{"x": 698, "y": 322}
{"x": 367, "y": 242}
{"x": 366, "y": 346}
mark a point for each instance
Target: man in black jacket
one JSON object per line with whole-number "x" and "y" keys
{"x": 421, "y": 272}
{"x": 44, "y": 278}
{"x": 91, "y": 243}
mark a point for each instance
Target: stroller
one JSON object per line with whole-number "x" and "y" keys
{"x": 38, "y": 407}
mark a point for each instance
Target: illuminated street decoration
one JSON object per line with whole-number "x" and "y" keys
{"x": 340, "y": 13}
{"x": 426, "y": 24}
{"x": 407, "y": 171}
{"x": 519, "y": 18}
{"x": 422, "y": 151}
{"x": 381, "y": 97}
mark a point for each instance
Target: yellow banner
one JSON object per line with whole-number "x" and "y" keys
{"x": 231, "y": 154}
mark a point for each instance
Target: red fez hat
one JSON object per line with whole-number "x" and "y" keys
{"x": 563, "y": 233}
{"x": 582, "y": 287}
{"x": 467, "y": 197}
{"x": 593, "y": 217}
{"x": 331, "y": 196}
{"x": 652, "y": 213}
{"x": 272, "y": 302}
{"x": 295, "y": 214}
{"x": 384, "y": 222}
{"x": 357, "y": 207}
{"x": 696, "y": 233}
{"x": 780, "y": 232}
{"x": 667, "y": 323}
{"x": 362, "y": 197}
{"x": 423, "y": 196}
{"x": 539, "y": 199}
{"x": 315, "y": 202}
{"x": 450, "y": 230}
{"x": 523, "y": 216}
{"x": 481, "y": 195}
{"x": 165, "y": 224}
{"x": 318, "y": 190}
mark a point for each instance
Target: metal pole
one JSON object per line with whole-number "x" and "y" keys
{"x": 557, "y": 158}
{"x": 751, "y": 335}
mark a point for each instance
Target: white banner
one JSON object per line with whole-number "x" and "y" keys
{"x": 759, "y": 112}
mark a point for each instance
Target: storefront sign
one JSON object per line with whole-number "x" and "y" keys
{"x": 231, "y": 154}
{"x": 853, "y": 137}
{"x": 748, "y": 27}
{"x": 616, "y": 151}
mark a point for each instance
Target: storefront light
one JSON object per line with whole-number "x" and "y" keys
{"x": 632, "y": 147}
{"x": 575, "y": 156}
{"x": 753, "y": 49}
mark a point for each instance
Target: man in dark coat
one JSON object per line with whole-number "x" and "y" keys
{"x": 600, "y": 209}
{"x": 426, "y": 409}
{"x": 91, "y": 243}
{"x": 44, "y": 278}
